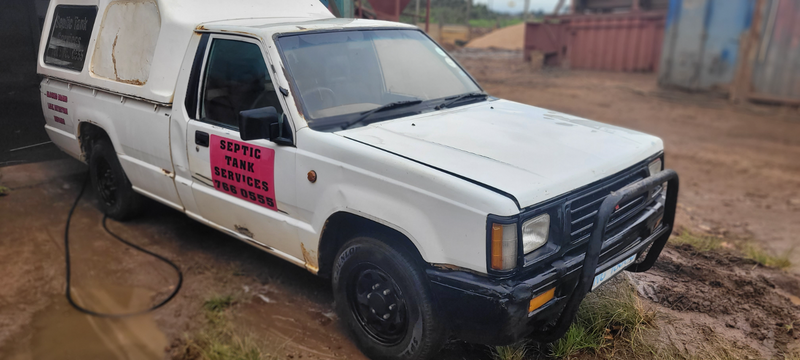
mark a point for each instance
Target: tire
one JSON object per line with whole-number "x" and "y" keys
{"x": 115, "y": 195}
{"x": 369, "y": 276}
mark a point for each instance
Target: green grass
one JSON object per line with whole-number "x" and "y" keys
{"x": 612, "y": 313}
{"x": 4, "y": 190}
{"x": 579, "y": 337}
{"x": 510, "y": 352}
{"x": 700, "y": 242}
{"x": 789, "y": 327}
{"x": 703, "y": 243}
{"x": 219, "y": 340}
{"x": 218, "y": 303}
{"x": 761, "y": 256}
{"x": 490, "y": 23}
{"x": 225, "y": 346}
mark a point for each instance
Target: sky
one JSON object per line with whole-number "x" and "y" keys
{"x": 515, "y": 6}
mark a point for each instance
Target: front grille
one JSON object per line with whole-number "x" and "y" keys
{"x": 583, "y": 209}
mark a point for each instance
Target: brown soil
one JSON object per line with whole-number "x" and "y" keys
{"x": 37, "y": 323}
{"x": 740, "y": 179}
{"x": 507, "y": 38}
{"x": 715, "y": 295}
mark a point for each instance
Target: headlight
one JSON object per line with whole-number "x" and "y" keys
{"x": 534, "y": 233}
{"x": 655, "y": 167}
{"x": 504, "y": 246}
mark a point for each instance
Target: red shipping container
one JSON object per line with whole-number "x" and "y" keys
{"x": 615, "y": 42}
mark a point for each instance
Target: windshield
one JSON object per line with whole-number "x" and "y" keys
{"x": 340, "y": 75}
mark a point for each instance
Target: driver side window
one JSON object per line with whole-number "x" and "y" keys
{"x": 236, "y": 79}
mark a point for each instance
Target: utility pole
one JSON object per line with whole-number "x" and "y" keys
{"x": 469, "y": 10}
{"x": 494, "y": 15}
{"x": 558, "y": 7}
{"x": 427, "y": 16}
{"x": 525, "y": 10}
{"x": 416, "y": 14}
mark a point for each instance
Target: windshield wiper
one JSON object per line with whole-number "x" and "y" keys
{"x": 451, "y": 101}
{"x": 389, "y": 106}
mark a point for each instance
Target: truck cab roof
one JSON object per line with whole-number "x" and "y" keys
{"x": 265, "y": 27}
{"x": 136, "y": 47}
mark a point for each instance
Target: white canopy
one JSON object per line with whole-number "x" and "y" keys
{"x": 137, "y": 46}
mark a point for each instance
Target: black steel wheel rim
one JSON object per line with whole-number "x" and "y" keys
{"x": 106, "y": 182}
{"x": 378, "y": 304}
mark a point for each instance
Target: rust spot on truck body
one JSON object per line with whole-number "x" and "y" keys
{"x": 114, "y": 56}
{"x": 450, "y": 267}
{"x": 114, "y": 61}
{"x": 310, "y": 260}
{"x": 243, "y": 230}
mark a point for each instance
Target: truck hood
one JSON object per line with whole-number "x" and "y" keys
{"x": 527, "y": 152}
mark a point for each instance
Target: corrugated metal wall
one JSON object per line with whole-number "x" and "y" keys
{"x": 701, "y": 44}
{"x": 630, "y": 42}
{"x": 776, "y": 71}
{"x": 607, "y": 6}
{"x": 615, "y": 42}
{"x": 388, "y": 9}
{"x": 548, "y": 37}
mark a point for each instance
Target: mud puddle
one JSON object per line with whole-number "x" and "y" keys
{"x": 62, "y": 332}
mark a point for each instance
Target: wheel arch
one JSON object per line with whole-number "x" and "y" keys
{"x": 343, "y": 226}
{"x": 88, "y": 134}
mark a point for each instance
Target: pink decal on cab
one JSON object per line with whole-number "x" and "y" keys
{"x": 243, "y": 170}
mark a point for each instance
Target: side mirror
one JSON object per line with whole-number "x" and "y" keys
{"x": 264, "y": 123}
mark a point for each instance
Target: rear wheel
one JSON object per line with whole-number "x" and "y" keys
{"x": 115, "y": 193}
{"x": 383, "y": 297}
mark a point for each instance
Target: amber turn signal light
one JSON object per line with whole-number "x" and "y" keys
{"x": 542, "y": 299}
{"x": 504, "y": 246}
{"x": 497, "y": 247}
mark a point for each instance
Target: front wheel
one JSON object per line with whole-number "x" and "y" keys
{"x": 384, "y": 299}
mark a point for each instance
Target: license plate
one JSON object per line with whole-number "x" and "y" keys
{"x": 614, "y": 270}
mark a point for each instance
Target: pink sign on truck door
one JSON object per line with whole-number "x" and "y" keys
{"x": 243, "y": 170}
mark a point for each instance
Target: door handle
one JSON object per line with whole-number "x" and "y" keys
{"x": 201, "y": 138}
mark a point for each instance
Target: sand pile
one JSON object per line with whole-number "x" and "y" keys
{"x": 507, "y": 38}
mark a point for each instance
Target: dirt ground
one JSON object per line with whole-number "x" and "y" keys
{"x": 507, "y": 38}
{"x": 277, "y": 299}
{"x": 720, "y": 299}
{"x": 740, "y": 179}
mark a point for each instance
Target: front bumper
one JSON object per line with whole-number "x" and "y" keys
{"x": 495, "y": 312}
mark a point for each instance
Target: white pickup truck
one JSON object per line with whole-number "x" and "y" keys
{"x": 361, "y": 151}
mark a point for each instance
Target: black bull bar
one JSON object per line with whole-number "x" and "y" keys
{"x": 607, "y": 209}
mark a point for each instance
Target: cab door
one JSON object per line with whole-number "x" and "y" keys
{"x": 246, "y": 187}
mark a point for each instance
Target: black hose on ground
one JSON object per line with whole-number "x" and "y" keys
{"x": 67, "y": 261}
